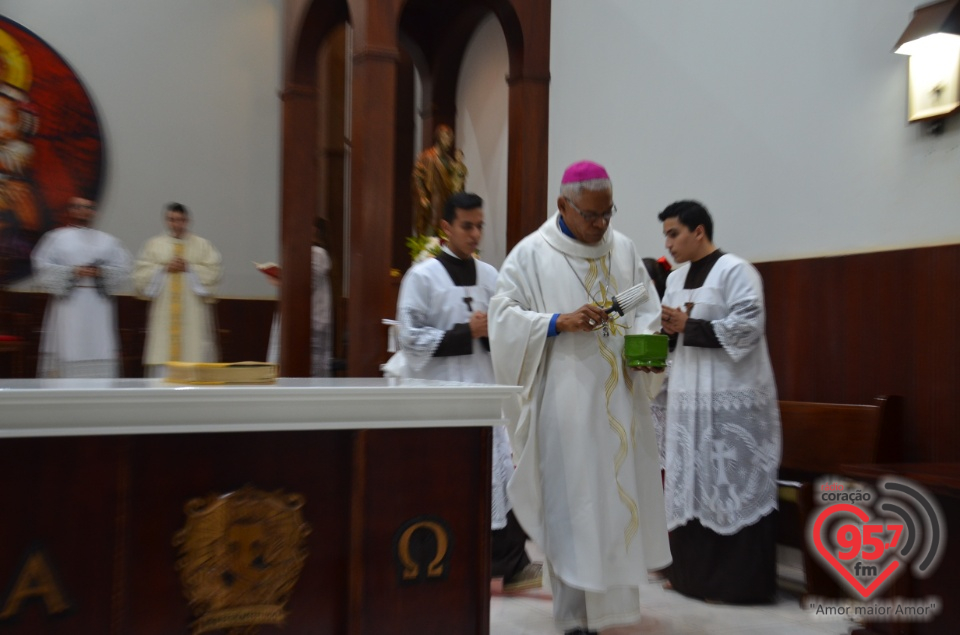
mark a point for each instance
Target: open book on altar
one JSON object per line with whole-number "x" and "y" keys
{"x": 269, "y": 269}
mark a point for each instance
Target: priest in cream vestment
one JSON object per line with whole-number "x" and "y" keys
{"x": 178, "y": 272}
{"x": 587, "y": 487}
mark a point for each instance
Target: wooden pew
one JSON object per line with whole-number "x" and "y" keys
{"x": 817, "y": 439}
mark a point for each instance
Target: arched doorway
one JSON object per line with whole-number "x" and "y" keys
{"x": 385, "y": 40}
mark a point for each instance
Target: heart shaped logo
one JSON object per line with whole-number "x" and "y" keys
{"x": 852, "y": 537}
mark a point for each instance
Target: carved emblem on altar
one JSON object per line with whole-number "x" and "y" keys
{"x": 422, "y": 547}
{"x": 240, "y": 556}
{"x": 37, "y": 579}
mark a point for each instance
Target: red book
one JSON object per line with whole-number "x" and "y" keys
{"x": 269, "y": 269}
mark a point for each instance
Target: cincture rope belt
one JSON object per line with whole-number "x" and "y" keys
{"x": 176, "y": 290}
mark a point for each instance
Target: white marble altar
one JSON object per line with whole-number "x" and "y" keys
{"x": 81, "y": 407}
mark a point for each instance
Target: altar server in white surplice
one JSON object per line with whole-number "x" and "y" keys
{"x": 81, "y": 268}
{"x": 722, "y": 435}
{"x": 178, "y": 272}
{"x": 587, "y": 486}
{"x": 442, "y": 311}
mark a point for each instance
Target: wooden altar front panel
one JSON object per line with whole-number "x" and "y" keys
{"x": 104, "y": 511}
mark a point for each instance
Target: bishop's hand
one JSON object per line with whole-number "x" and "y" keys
{"x": 586, "y": 318}
{"x": 649, "y": 369}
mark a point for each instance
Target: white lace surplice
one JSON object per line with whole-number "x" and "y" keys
{"x": 721, "y": 437}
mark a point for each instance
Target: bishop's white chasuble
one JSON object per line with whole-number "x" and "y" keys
{"x": 587, "y": 488}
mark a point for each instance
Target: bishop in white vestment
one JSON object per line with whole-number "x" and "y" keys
{"x": 178, "y": 272}
{"x": 81, "y": 268}
{"x": 587, "y": 486}
{"x": 721, "y": 437}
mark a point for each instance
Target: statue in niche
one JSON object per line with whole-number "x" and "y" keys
{"x": 438, "y": 173}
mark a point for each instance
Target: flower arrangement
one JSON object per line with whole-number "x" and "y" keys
{"x": 423, "y": 247}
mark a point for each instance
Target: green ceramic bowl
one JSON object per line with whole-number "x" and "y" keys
{"x": 646, "y": 350}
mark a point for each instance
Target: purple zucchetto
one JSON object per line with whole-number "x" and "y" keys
{"x": 584, "y": 171}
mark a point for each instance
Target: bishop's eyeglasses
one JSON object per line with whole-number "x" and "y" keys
{"x": 592, "y": 217}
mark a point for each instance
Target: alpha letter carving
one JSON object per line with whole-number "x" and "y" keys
{"x": 35, "y": 580}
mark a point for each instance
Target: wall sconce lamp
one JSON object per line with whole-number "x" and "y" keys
{"x": 932, "y": 40}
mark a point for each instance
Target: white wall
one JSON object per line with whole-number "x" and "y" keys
{"x": 786, "y": 119}
{"x": 187, "y": 95}
{"x": 482, "y": 104}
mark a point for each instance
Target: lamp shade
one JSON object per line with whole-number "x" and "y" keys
{"x": 931, "y": 22}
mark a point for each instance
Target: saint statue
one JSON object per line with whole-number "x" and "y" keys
{"x": 438, "y": 173}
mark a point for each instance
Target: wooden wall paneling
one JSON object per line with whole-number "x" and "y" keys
{"x": 15, "y": 323}
{"x": 845, "y": 329}
{"x": 846, "y": 307}
{"x": 24, "y": 318}
{"x": 243, "y": 330}
{"x": 132, "y": 323}
{"x": 791, "y": 323}
{"x": 935, "y": 308}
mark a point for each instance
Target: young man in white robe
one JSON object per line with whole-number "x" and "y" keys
{"x": 321, "y": 304}
{"x": 178, "y": 272}
{"x": 321, "y": 308}
{"x": 81, "y": 268}
{"x": 721, "y": 437}
{"x": 587, "y": 486}
{"x": 442, "y": 315}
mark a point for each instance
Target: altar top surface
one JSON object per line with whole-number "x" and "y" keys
{"x": 75, "y": 407}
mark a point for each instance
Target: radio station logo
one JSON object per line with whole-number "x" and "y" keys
{"x": 868, "y": 538}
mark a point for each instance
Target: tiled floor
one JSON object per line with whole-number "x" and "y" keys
{"x": 669, "y": 613}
